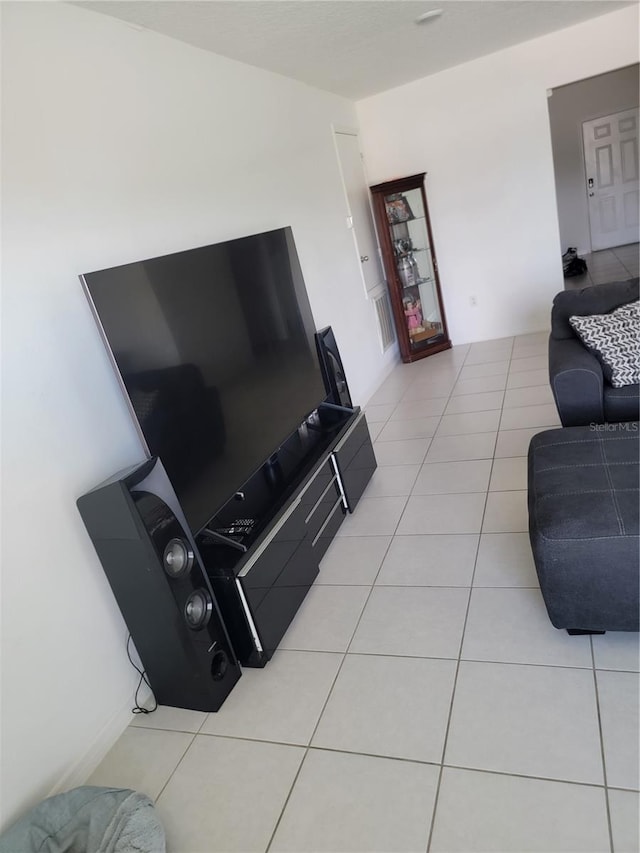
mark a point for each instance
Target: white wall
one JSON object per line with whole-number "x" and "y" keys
{"x": 118, "y": 145}
{"x": 481, "y": 131}
{"x": 569, "y": 106}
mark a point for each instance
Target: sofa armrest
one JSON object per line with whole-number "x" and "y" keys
{"x": 577, "y": 383}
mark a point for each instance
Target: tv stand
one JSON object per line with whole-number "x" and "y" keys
{"x": 322, "y": 470}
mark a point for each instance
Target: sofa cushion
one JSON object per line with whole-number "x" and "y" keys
{"x": 595, "y": 299}
{"x": 615, "y": 340}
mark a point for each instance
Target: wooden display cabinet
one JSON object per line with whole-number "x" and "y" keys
{"x": 404, "y": 231}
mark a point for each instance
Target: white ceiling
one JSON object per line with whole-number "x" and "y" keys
{"x": 354, "y": 48}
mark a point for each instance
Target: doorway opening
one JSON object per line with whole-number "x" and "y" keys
{"x": 594, "y": 134}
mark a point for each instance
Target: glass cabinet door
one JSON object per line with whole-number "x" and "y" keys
{"x": 414, "y": 263}
{"x": 411, "y": 268}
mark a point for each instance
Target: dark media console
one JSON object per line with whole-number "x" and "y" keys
{"x": 291, "y": 516}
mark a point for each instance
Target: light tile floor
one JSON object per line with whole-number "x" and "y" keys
{"x": 617, "y": 264}
{"x": 421, "y": 700}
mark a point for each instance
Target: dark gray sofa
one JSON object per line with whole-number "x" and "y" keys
{"x": 582, "y": 394}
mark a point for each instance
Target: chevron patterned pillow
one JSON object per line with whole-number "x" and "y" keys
{"x": 615, "y": 340}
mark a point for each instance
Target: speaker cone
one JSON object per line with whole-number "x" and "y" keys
{"x": 178, "y": 558}
{"x": 197, "y": 610}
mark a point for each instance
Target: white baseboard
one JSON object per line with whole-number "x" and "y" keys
{"x": 82, "y": 769}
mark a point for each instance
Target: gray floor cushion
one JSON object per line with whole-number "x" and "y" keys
{"x": 584, "y": 519}
{"x": 88, "y": 820}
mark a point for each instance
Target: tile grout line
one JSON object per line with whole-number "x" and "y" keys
{"x": 326, "y": 701}
{"x": 308, "y": 747}
{"x": 601, "y": 738}
{"x": 405, "y": 760}
{"x": 178, "y": 763}
{"x": 464, "y": 628}
{"x": 489, "y": 662}
{"x": 449, "y": 397}
{"x": 421, "y": 762}
{"x": 428, "y": 439}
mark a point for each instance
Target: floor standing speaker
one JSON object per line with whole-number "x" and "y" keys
{"x": 154, "y": 569}
{"x": 332, "y": 369}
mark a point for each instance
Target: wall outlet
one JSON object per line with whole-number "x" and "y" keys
{"x": 473, "y": 300}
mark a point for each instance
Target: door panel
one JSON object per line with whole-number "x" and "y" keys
{"x": 611, "y": 167}
{"x": 360, "y": 216}
{"x": 629, "y": 152}
{"x": 605, "y": 166}
{"x": 631, "y": 205}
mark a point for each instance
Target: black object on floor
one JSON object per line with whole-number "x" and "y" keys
{"x": 572, "y": 265}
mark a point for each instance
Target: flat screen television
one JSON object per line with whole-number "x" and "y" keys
{"x": 215, "y": 350}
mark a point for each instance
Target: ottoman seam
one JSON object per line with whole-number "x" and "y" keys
{"x": 611, "y": 488}
{"x": 591, "y": 538}
{"x": 586, "y": 465}
{"x": 588, "y": 440}
{"x": 588, "y": 492}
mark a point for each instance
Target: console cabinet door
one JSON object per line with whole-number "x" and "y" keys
{"x": 278, "y": 575}
{"x": 356, "y": 460}
{"x": 325, "y": 509}
{"x": 330, "y": 526}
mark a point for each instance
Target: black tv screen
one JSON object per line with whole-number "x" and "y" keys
{"x": 215, "y": 349}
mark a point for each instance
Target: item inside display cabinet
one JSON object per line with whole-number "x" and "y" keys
{"x": 398, "y": 209}
{"x": 413, "y": 313}
{"x": 428, "y": 331}
{"x": 402, "y": 246}
{"x": 408, "y": 270}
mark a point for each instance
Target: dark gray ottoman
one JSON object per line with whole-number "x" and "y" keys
{"x": 584, "y": 518}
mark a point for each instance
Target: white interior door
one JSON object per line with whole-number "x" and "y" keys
{"x": 611, "y": 168}
{"x": 359, "y": 216}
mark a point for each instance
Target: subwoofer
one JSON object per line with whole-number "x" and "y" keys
{"x": 152, "y": 564}
{"x": 332, "y": 369}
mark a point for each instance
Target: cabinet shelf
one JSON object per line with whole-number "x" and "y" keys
{"x": 412, "y": 252}
{"x": 408, "y": 252}
{"x": 406, "y": 221}
{"x": 428, "y": 334}
{"x": 418, "y": 282}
